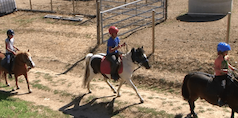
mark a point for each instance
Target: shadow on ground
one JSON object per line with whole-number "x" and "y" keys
{"x": 199, "y": 18}
{"x": 5, "y": 94}
{"x": 92, "y": 109}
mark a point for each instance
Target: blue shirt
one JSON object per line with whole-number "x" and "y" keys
{"x": 112, "y": 43}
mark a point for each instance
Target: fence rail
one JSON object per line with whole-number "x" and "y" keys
{"x": 129, "y": 16}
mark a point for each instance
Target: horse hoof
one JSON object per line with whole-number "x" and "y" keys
{"x": 13, "y": 89}
{"x": 141, "y": 101}
{"x": 8, "y": 84}
{"x": 18, "y": 88}
{"x": 30, "y": 91}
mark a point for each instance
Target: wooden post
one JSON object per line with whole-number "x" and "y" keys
{"x": 73, "y": 7}
{"x": 30, "y": 5}
{"x": 51, "y": 6}
{"x": 228, "y": 27}
{"x": 153, "y": 31}
{"x": 98, "y": 21}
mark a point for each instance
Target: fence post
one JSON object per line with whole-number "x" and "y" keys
{"x": 98, "y": 21}
{"x": 228, "y": 27}
{"x": 73, "y": 7}
{"x": 30, "y": 5}
{"x": 153, "y": 31}
{"x": 51, "y": 5}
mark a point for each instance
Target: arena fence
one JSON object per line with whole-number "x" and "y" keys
{"x": 128, "y": 15}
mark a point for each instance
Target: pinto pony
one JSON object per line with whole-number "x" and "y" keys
{"x": 129, "y": 62}
{"x": 21, "y": 65}
{"x": 202, "y": 85}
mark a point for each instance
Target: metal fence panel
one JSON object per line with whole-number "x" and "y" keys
{"x": 129, "y": 16}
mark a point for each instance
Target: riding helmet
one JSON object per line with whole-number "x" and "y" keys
{"x": 222, "y": 46}
{"x": 113, "y": 29}
{"x": 10, "y": 32}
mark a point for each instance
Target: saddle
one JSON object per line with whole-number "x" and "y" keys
{"x": 105, "y": 67}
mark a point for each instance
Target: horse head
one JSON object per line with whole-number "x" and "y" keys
{"x": 138, "y": 56}
{"x": 25, "y": 57}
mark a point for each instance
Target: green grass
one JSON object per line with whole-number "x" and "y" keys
{"x": 16, "y": 108}
{"x": 153, "y": 113}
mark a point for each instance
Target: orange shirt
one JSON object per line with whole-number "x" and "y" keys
{"x": 220, "y": 64}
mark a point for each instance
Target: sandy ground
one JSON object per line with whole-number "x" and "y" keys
{"x": 59, "y": 46}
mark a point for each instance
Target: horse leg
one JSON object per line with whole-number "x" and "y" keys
{"x": 5, "y": 76}
{"x": 109, "y": 84}
{"x": 16, "y": 79}
{"x": 28, "y": 86}
{"x": 135, "y": 89}
{"x": 232, "y": 113}
{"x": 89, "y": 80}
{"x": 192, "y": 106}
{"x": 118, "y": 90}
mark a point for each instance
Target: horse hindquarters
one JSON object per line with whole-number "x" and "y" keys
{"x": 185, "y": 92}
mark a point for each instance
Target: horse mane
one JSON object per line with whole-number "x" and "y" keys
{"x": 21, "y": 52}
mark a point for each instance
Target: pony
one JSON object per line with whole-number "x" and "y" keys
{"x": 203, "y": 85}
{"x": 21, "y": 65}
{"x": 129, "y": 61}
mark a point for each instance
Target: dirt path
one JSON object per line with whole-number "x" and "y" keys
{"x": 70, "y": 98}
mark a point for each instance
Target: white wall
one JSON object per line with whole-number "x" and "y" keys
{"x": 211, "y": 7}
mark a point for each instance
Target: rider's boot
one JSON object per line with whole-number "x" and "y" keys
{"x": 114, "y": 74}
{"x": 220, "y": 103}
{"x": 10, "y": 71}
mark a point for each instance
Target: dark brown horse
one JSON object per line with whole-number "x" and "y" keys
{"x": 21, "y": 65}
{"x": 202, "y": 85}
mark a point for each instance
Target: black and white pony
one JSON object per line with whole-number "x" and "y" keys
{"x": 129, "y": 62}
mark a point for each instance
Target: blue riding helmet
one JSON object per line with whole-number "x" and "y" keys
{"x": 10, "y": 32}
{"x": 222, "y": 46}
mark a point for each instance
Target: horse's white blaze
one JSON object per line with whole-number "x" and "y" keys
{"x": 33, "y": 64}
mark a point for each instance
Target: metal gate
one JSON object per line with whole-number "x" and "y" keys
{"x": 130, "y": 16}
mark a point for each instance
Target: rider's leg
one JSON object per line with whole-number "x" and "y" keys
{"x": 9, "y": 64}
{"x": 222, "y": 96}
{"x": 111, "y": 59}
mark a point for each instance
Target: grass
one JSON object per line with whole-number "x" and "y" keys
{"x": 153, "y": 113}
{"x": 16, "y": 108}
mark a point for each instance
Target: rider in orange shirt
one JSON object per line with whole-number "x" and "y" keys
{"x": 221, "y": 67}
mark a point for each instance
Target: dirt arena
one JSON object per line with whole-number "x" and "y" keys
{"x": 58, "y": 48}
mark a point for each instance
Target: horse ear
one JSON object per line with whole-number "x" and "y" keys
{"x": 142, "y": 47}
{"x": 28, "y": 50}
{"x": 133, "y": 50}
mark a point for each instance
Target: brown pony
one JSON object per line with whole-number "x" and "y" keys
{"x": 202, "y": 85}
{"x": 21, "y": 65}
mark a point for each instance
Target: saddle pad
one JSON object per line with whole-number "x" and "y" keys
{"x": 105, "y": 67}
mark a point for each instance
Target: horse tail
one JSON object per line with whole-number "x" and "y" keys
{"x": 185, "y": 92}
{"x": 87, "y": 73}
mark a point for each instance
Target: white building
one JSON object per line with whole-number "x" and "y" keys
{"x": 209, "y": 7}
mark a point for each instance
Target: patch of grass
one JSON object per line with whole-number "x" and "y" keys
{"x": 48, "y": 77}
{"x": 36, "y": 81}
{"x": 40, "y": 86}
{"x": 37, "y": 74}
{"x": 21, "y": 79}
{"x": 153, "y": 113}
{"x": 62, "y": 93}
{"x": 69, "y": 84}
{"x": 16, "y": 108}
